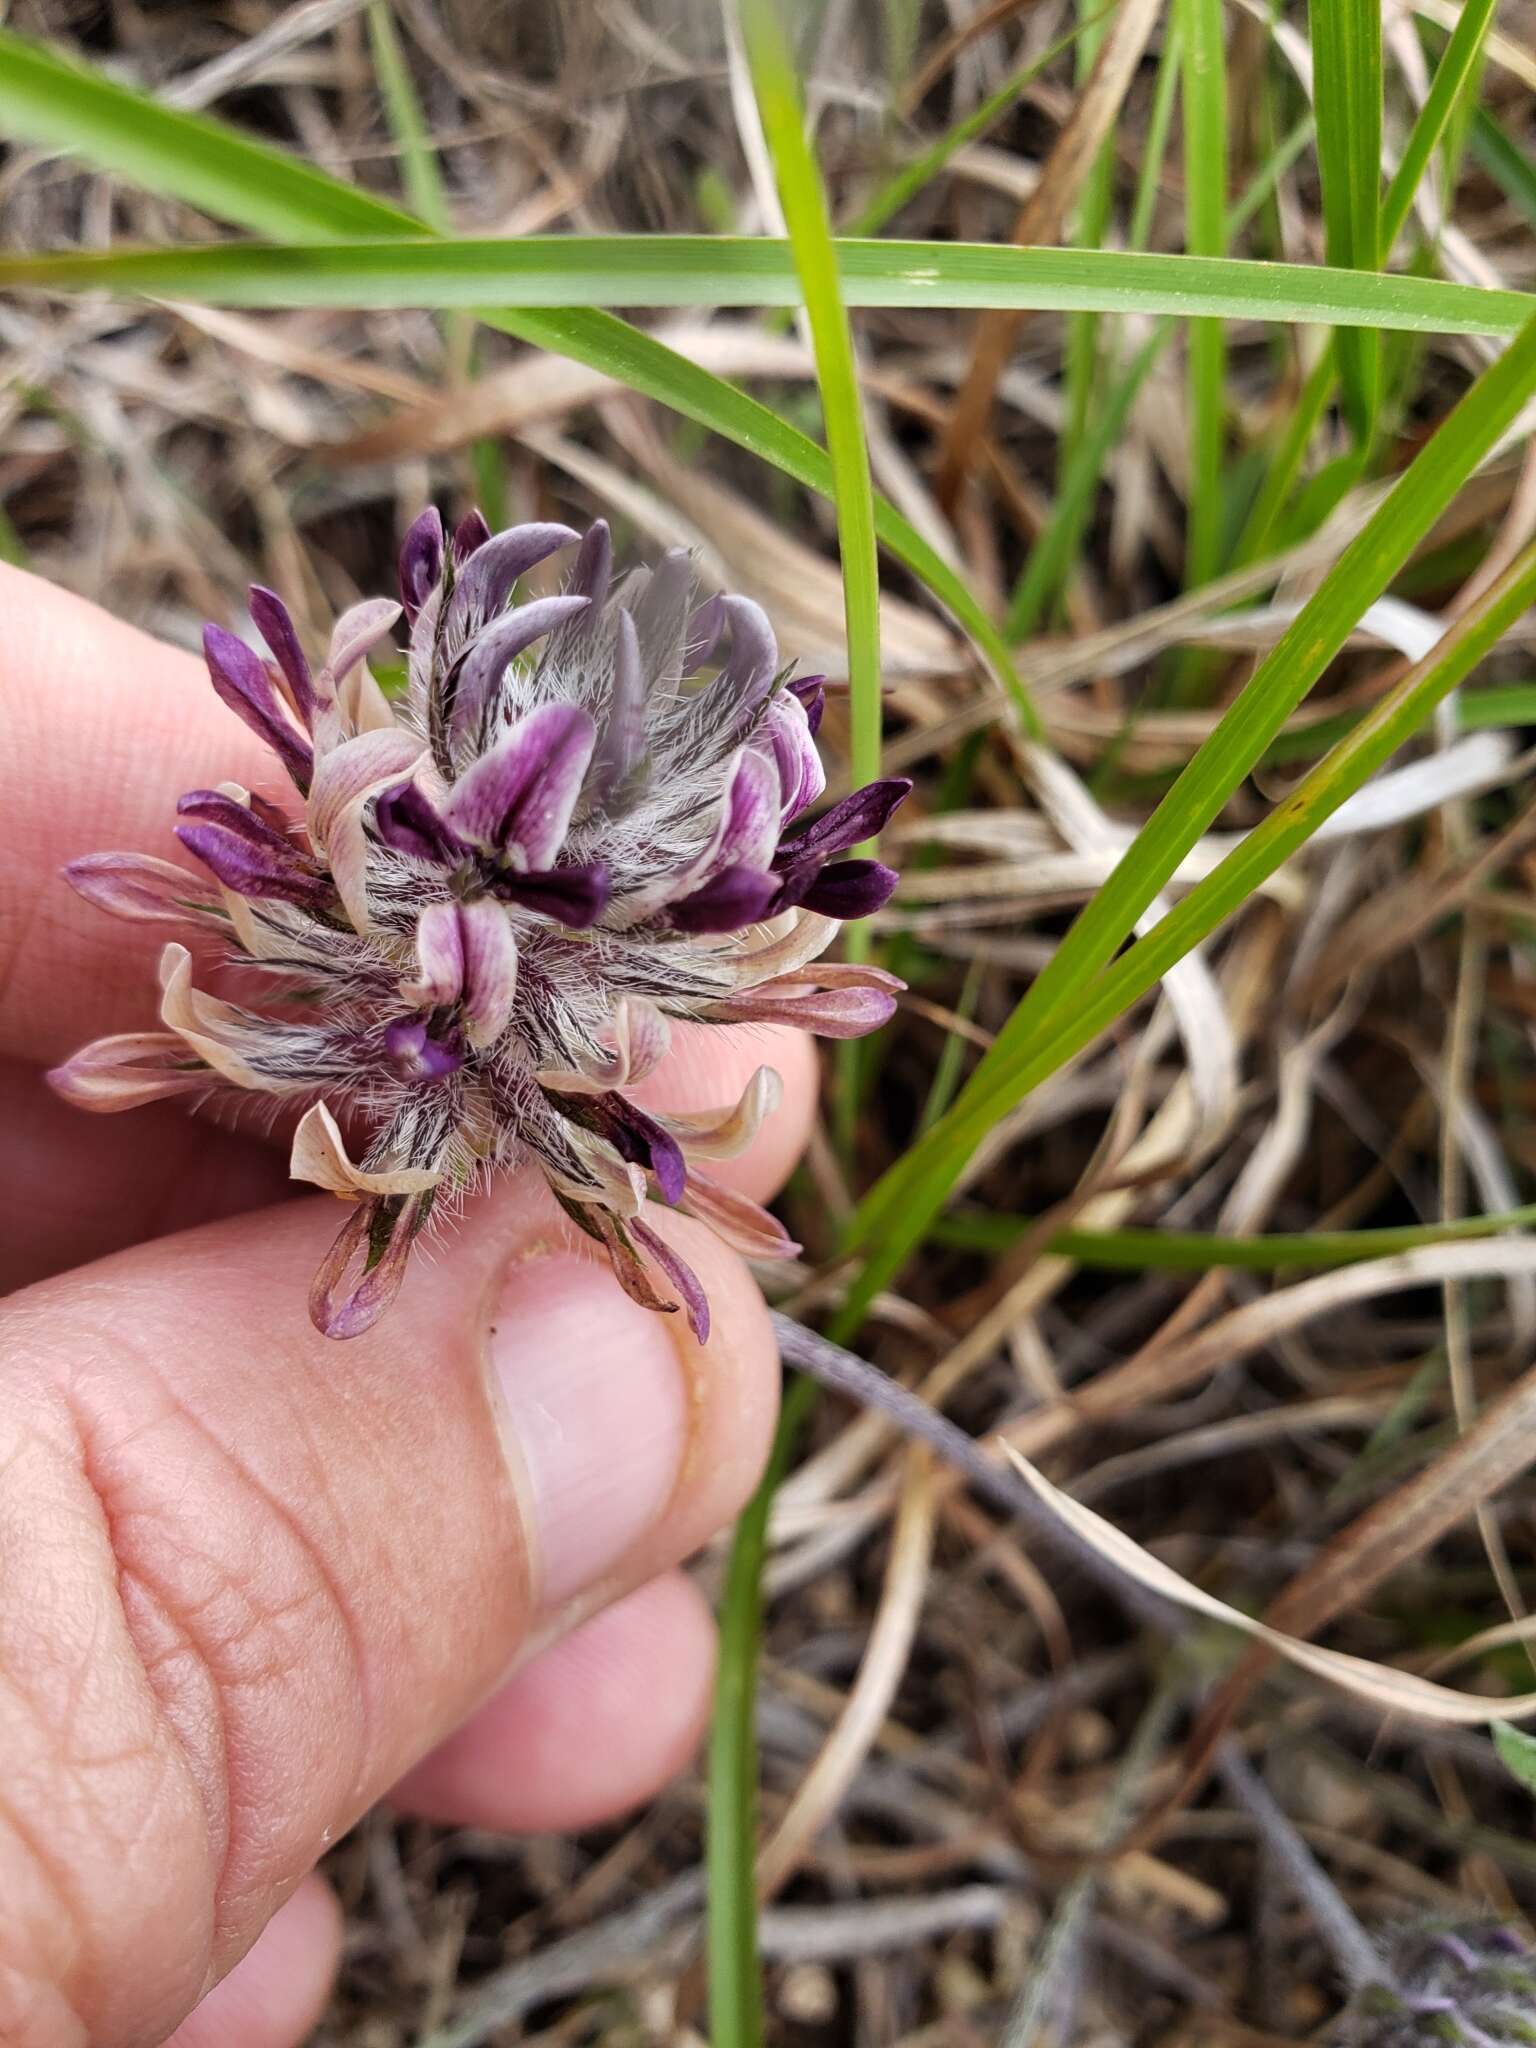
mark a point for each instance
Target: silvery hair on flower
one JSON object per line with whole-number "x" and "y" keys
{"x": 581, "y": 819}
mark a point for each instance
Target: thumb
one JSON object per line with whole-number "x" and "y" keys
{"x": 252, "y": 1576}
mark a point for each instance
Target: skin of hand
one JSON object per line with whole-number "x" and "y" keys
{"x": 252, "y": 1581}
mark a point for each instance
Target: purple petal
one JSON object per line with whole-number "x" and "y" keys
{"x": 472, "y": 532}
{"x": 812, "y": 692}
{"x": 754, "y": 659}
{"x": 622, "y": 739}
{"x": 240, "y": 679}
{"x": 680, "y": 1273}
{"x": 416, "y": 1055}
{"x": 593, "y": 567}
{"x": 703, "y": 634}
{"x": 858, "y": 817}
{"x": 275, "y": 625}
{"x": 421, "y": 561}
{"x": 138, "y": 887}
{"x": 519, "y": 797}
{"x": 408, "y": 823}
{"x": 255, "y": 871}
{"x": 485, "y": 581}
{"x": 575, "y": 896}
{"x": 478, "y": 675}
{"x": 735, "y": 898}
{"x": 850, "y": 888}
{"x": 213, "y": 807}
{"x": 640, "y": 1139}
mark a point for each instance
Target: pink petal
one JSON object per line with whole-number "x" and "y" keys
{"x": 490, "y": 970}
{"x": 742, "y": 1223}
{"x": 439, "y": 958}
{"x": 139, "y": 888}
{"x": 127, "y": 1070}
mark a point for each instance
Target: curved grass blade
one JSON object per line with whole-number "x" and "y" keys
{"x": 559, "y": 271}
{"x": 1079, "y": 993}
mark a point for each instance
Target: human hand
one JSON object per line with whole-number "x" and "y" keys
{"x": 251, "y": 1580}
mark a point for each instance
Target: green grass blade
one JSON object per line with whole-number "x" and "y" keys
{"x": 1075, "y": 987}
{"x": 561, "y": 271}
{"x": 735, "y": 1972}
{"x": 1198, "y": 1251}
{"x": 804, "y": 201}
{"x": 1510, "y": 167}
{"x": 1346, "y": 50}
{"x": 44, "y": 99}
{"x": 1457, "y": 68}
{"x": 1454, "y": 76}
{"x": 1201, "y": 24}
{"x": 47, "y": 99}
{"x": 418, "y": 159}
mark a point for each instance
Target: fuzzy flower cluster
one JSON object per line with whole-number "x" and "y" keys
{"x": 1453, "y": 1984}
{"x": 582, "y": 817}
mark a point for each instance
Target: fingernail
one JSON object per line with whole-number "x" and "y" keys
{"x": 595, "y": 1412}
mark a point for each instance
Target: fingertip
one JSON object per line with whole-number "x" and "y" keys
{"x": 594, "y": 1727}
{"x": 276, "y": 1993}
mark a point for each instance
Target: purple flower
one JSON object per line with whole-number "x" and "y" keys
{"x": 588, "y": 813}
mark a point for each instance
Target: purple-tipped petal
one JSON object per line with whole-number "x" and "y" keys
{"x": 644, "y": 1142}
{"x": 574, "y": 896}
{"x": 490, "y": 970}
{"x": 848, "y": 889}
{"x": 786, "y": 733}
{"x": 681, "y": 1275}
{"x": 735, "y": 898}
{"x": 417, "y": 1056}
{"x": 750, "y": 825}
{"x": 703, "y": 633}
{"x": 256, "y": 871}
{"x": 471, "y": 686}
{"x": 743, "y": 1224}
{"x": 213, "y": 807}
{"x": 471, "y": 533}
{"x": 518, "y": 798}
{"x": 421, "y": 561}
{"x": 858, "y": 817}
{"x": 240, "y": 679}
{"x": 138, "y": 888}
{"x": 484, "y": 582}
{"x": 383, "y": 1230}
{"x": 846, "y": 1012}
{"x": 754, "y": 658}
{"x": 621, "y": 740}
{"x": 812, "y": 692}
{"x": 275, "y": 625}
{"x": 408, "y": 822}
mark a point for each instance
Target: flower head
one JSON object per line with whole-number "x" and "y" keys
{"x": 582, "y": 819}
{"x": 1451, "y": 1981}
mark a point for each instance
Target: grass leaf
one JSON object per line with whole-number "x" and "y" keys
{"x": 1346, "y": 49}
